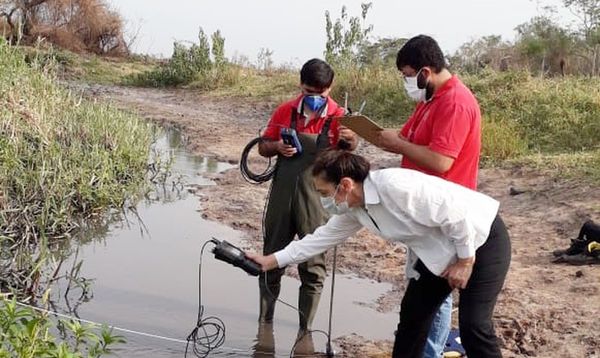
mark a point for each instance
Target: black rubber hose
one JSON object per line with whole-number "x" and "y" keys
{"x": 255, "y": 178}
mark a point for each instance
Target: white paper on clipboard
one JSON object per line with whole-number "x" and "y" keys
{"x": 363, "y": 126}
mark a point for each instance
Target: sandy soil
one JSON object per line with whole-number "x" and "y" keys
{"x": 545, "y": 309}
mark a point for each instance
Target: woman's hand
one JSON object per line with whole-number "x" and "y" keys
{"x": 458, "y": 273}
{"x": 266, "y": 262}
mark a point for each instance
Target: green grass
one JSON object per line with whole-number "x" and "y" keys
{"x": 272, "y": 86}
{"x": 62, "y": 160}
{"x": 93, "y": 69}
{"x": 579, "y": 165}
{"x": 90, "y": 68}
{"x": 556, "y": 115}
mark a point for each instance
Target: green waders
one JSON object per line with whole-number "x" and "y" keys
{"x": 294, "y": 208}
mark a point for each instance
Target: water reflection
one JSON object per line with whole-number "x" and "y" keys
{"x": 140, "y": 270}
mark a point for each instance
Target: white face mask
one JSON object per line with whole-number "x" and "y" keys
{"x": 331, "y": 207}
{"x": 412, "y": 89}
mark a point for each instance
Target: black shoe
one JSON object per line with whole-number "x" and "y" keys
{"x": 577, "y": 247}
{"x": 580, "y": 259}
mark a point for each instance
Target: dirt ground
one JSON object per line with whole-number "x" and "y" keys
{"x": 544, "y": 310}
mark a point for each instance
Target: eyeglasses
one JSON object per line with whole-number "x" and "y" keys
{"x": 404, "y": 77}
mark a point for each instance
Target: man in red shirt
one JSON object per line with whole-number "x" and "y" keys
{"x": 442, "y": 137}
{"x": 294, "y": 206}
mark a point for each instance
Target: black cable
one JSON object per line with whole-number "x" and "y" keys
{"x": 249, "y": 176}
{"x": 212, "y": 328}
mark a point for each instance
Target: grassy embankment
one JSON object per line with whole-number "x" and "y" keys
{"x": 62, "y": 160}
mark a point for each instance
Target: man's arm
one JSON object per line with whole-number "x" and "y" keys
{"x": 421, "y": 155}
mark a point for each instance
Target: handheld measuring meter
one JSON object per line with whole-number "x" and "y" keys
{"x": 290, "y": 137}
{"x": 229, "y": 253}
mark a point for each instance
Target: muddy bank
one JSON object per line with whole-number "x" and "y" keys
{"x": 545, "y": 309}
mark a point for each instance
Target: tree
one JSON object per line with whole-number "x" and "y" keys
{"x": 486, "y": 51}
{"x": 218, "y": 49}
{"x": 544, "y": 44}
{"x": 345, "y": 36}
{"x": 382, "y": 51}
{"x": 79, "y": 25}
{"x": 588, "y": 12}
{"x": 18, "y": 15}
{"x": 265, "y": 59}
{"x": 199, "y": 56}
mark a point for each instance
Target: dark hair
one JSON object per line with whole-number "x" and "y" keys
{"x": 335, "y": 164}
{"x": 421, "y": 51}
{"x": 317, "y": 73}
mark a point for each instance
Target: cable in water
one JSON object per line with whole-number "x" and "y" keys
{"x": 209, "y": 333}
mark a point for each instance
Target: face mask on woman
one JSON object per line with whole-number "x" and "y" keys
{"x": 330, "y": 205}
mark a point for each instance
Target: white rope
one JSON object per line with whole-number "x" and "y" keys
{"x": 176, "y": 340}
{"x": 100, "y": 324}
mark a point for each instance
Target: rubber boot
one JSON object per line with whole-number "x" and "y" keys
{"x": 268, "y": 297}
{"x": 304, "y": 345}
{"x": 308, "y": 302}
{"x": 264, "y": 346}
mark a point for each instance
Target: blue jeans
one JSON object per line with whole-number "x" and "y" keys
{"x": 440, "y": 328}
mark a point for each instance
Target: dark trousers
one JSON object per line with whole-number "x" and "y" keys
{"x": 424, "y": 296}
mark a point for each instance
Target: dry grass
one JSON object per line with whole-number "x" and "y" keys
{"x": 77, "y": 25}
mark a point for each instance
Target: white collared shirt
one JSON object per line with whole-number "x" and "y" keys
{"x": 436, "y": 219}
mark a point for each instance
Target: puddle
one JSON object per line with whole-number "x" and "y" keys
{"x": 146, "y": 279}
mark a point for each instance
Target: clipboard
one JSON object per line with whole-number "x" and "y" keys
{"x": 363, "y": 126}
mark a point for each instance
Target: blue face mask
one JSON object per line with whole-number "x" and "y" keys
{"x": 314, "y": 102}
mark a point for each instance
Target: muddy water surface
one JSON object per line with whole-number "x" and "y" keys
{"x": 145, "y": 278}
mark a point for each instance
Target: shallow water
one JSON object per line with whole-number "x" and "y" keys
{"x": 146, "y": 279}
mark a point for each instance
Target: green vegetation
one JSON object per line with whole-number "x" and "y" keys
{"x": 192, "y": 64}
{"x": 555, "y": 115}
{"x": 27, "y": 333}
{"x": 62, "y": 160}
{"x": 103, "y": 70}
{"x": 88, "y": 68}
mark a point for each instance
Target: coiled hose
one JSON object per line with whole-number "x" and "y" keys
{"x": 249, "y": 176}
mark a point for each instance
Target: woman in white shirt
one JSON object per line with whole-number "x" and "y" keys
{"x": 456, "y": 240}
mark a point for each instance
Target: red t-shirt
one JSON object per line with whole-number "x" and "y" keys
{"x": 283, "y": 115}
{"x": 449, "y": 124}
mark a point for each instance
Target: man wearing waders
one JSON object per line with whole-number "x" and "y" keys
{"x": 294, "y": 207}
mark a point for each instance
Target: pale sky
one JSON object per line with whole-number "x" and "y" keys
{"x": 295, "y": 30}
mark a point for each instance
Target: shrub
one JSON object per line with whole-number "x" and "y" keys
{"x": 192, "y": 65}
